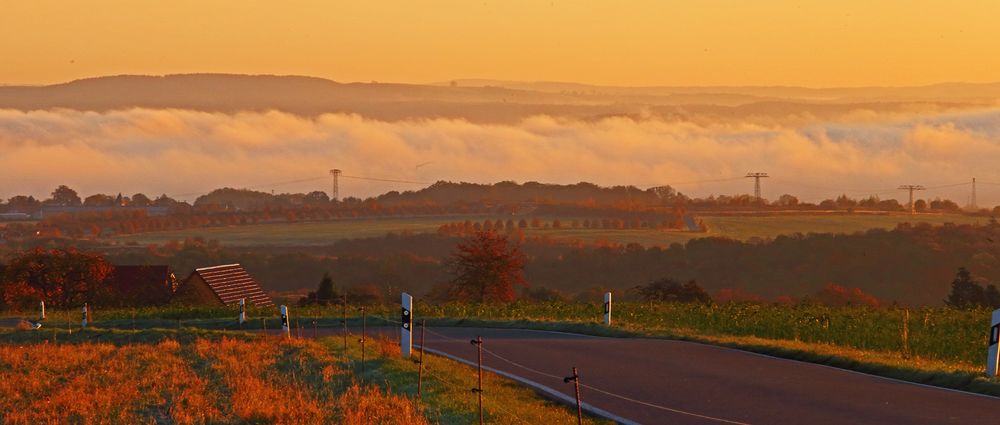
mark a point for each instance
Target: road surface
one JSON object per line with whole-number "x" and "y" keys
{"x": 704, "y": 384}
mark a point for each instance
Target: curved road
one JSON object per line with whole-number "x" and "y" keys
{"x": 705, "y": 384}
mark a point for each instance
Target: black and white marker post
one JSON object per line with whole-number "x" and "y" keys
{"x": 243, "y": 311}
{"x": 607, "y": 308}
{"x": 284, "y": 322}
{"x": 406, "y": 329}
{"x": 86, "y": 315}
{"x": 41, "y": 315}
{"x": 992, "y": 363}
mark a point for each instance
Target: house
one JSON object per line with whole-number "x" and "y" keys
{"x": 221, "y": 285}
{"x": 134, "y": 286}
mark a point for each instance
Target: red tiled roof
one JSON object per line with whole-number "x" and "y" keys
{"x": 231, "y": 282}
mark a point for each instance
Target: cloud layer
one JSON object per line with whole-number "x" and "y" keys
{"x": 182, "y": 152}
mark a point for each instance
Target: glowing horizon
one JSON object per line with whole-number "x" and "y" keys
{"x": 814, "y": 44}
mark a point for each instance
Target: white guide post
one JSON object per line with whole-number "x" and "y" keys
{"x": 992, "y": 364}
{"x": 243, "y": 310}
{"x": 284, "y": 322}
{"x": 406, "y": 329}
{"x": 83, "y": 321}
{"x": 41, "y": 315}
{"x": 607, "y": 308}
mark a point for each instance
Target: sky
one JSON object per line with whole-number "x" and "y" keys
{"x": 636, "y": 43}
{"x": 633, "y": 43}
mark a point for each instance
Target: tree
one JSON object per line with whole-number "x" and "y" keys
{"x": 99, "y": 200}
{"x": 164, "y": 201}
{"x": 316, "y": 198}
{"x": 787, "y": 200}
{"x": 965, "y": 293}
{"x": 64, "y": 196}
{"x": 61, "y": 277}
{"x": 486, "y": 268}
{"x": 326, "y": 294}
{"x": 22, "y": 203}
{"x": 668, "y": 289}
{"x": 141, "y": 200}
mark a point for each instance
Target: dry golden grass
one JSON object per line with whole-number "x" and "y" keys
{"x": 206, "y": 381}
{"x": 101, "y": 383}
{"x": 371, "y": 406}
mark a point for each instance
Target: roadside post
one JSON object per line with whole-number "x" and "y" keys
{"x": 420, "y": 373}
{"x": 992, "y": 363}
{"x": 478, "y": 342}
{"x": 243, "y": 311}
{"x": 86, "y": 315}
{"x": 575, "y": 379}
{"x": 284, "y": 322}
{"x": 607, "y": 308}
{"x": 41, "y": 316}
{"x": 364, "y": 336}
{"x": 406, "y": 329}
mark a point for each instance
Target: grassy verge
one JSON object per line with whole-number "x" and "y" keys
{"x": 445, "y": 392}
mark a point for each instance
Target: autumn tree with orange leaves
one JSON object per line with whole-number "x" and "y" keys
{"x": 61, "y": 277}
{"x": 486, "y": 268}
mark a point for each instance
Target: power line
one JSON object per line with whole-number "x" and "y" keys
{"x": 377, "y": 179}
{"x": 692, "y": 182}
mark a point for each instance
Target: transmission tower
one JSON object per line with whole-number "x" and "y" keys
{"x": 756, "y": 183}
{"x": 335, "y": 195}
{"x": 911, "y": 188}
{"x": 972, "y": 201}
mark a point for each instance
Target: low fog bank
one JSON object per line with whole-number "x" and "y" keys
{"x": 184, "y": 152}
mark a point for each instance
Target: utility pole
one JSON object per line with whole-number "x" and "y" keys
{"x": 756, "y": 183}
{"x": 335, "y": 195}
{"x": 911, "y": 188}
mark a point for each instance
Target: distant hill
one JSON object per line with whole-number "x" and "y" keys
{"x": 480, "y": 100}
{"x": 944, "y": 92}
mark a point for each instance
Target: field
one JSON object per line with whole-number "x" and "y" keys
{"x": 161, "y": 376}
{"x": 940, "y": 334}
{"x": 736, "y": 227}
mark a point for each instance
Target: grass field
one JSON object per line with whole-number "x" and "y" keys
{"x": 193, "y": 377}
{"x": 736, "y": 227}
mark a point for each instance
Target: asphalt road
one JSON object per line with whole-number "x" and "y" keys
{"x": 710, "y": 385}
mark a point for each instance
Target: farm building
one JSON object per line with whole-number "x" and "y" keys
{"x": 221, "y": 285}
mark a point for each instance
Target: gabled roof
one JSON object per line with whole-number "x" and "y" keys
{"x": 231, "y": 282}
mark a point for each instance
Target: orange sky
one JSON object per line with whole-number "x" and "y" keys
{"x": 811, "y": 43}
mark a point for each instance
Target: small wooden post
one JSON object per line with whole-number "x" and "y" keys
{"x": 576, "y": 382}
{"x": 364, "y": 335}
{"x": 478, "y": 342}
{"x": 420, "y": 372}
